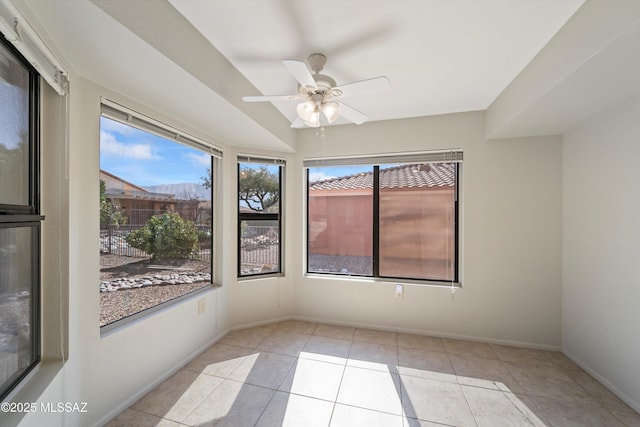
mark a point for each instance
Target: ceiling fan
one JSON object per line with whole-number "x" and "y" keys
{"x": 320, "y": 94}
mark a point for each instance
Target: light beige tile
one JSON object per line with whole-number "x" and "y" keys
{"x": 133, "y": 418}
{"x": 371, "y": 389}
{"x": 312, "y": 378}
{"x": 556, "y": 389}
{"x": 335, "y": 331}
{"x": 537, "y": 373}
{"x": 375, "y": 336}
{"x": 435, "y": 401}
{"x": 374, "y": 356}
{"x": 178, "y": 396}
{"x": 563, "y": 362}
{"x": 529, "y": 408}
{"x": 249, "y": 337}
{"x": 487, "y": 373}
{"x": 598, "y": 391}
{"x": 522, "y": 356}
{"x": 291, "y": 410}
{"x": 231, "y": 404}
{"x": 297, "y": 326}
{"x": 289, "y": 343}
{"x": 560, "y": 413}
{"x": 219, "y": 360}
{"x": 627, "y": 415}
{"x": 327, "y": 349}
{"x": 350, "y": 416}
{"x": 492, "y": 407}
{"x": 469, "y": 348}
{"x": 420, "y": 342}
{"x": 425, "y": 364}
{"x": 263, "y": 369}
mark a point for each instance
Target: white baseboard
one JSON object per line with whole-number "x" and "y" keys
{"x": 535, "y": 346}
{"x": 612, "y": 388}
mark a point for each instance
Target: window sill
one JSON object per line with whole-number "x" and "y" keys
{"x": 384, "y": 280}
{"x": 257, "y": 277}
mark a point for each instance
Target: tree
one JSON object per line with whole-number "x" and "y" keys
{"x": 258, "y": 188}
{"x": 109, "y": 214}
{"x": 165, "y": 236}
{"x": 207, "y": 180}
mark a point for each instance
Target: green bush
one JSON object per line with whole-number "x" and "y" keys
{"x": 166, "y": 236}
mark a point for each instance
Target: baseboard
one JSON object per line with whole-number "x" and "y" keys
{"x": 261, "y": 323}
{"x": 159, "y": 380}
{"x": 486, "y": 340}
{"x": 612, "y": 388}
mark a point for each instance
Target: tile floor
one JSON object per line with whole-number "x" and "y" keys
{"x": 304, "y": 374}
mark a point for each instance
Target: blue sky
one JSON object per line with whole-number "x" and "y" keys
{"x": 146, "y": 159}
{"x": 319, "y": 174}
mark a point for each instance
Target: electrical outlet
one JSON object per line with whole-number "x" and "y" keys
{"x": 399, "y": 291}
{"x": 202, "y": 306}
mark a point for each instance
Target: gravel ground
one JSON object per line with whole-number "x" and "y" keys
{"x": 125, "y": 302}
{"x": 120, "y": 304}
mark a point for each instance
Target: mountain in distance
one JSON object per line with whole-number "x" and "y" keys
{"x": 185, "y": 190}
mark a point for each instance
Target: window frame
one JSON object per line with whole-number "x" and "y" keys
{"x": 256, "y": 216}
{"x": 375, "y": 162}
{"x": 28, "y": 215}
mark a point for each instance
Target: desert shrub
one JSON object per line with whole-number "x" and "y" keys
{"x": 165, "y": 236}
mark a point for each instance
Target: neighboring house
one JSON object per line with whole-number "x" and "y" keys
{"x": 416, "y": 216}
{"x": 136, "y": 203}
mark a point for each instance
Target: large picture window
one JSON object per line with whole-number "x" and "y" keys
{"x": 156, "y": 215}
{"x": 19, "y": 218}
{"x": 391, "y": 217}
{"x": 259, "y": 216}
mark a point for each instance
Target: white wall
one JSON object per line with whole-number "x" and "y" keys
{"x": 511, "y": 237}
{"x": 601, "y": 290}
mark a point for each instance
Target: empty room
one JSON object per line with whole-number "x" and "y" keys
{"x": 319, "y": 213}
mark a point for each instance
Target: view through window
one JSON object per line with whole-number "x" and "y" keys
{"x": 19, "y": 219}
{"x": 393, "y": 221}
{"x": 155, "y": 220}
{"x": 259, "y": 217}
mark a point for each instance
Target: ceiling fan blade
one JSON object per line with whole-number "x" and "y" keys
{"x": 270, "y": 98}
{"x": 300, "y": 72}
{"x": 364, "y": 87}
{"x": 352, "y": 114}
{"x": 298, "y": 123}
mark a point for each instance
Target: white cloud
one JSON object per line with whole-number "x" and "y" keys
{"x": 110, "y": 145}
{"x": 109, "y": 125}
{"x": 202, "y": 159}
{"x": 319, "y": 176}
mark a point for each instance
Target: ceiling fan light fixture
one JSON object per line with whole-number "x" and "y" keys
{"x": 314, "y": 120}
{"x": 306, "y": 109}
{"x": 331, "y": 110}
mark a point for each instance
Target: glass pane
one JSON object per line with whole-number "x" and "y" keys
{"x": 259, "y": 247}
{"x": 14, "y": 131}
{"x": 341, "y": 220}
{"x": 155, "y": 220}
{"x": 417, "y": 221}
{"x": 258, "y": 188}
{"x": 16, "y": 303}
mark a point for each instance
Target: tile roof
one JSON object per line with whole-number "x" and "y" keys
{"x": 404, "y": 176}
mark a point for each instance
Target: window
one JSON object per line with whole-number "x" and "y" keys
{"x": 156, "y": 214}
{"x": 19, "y": 218}
{"x": 259, "y": 216}
{"x": 392, "y": 217}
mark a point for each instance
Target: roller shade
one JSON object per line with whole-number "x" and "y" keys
{"x": 249, "y": 158}
{"x": 449, "y": 156}
{"x": 119, "y": 113}
{"x": 15, "y": 28}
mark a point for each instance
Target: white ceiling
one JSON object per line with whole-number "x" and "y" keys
{"x": 441, "y": 56}
{"x": 194, "y": 59}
